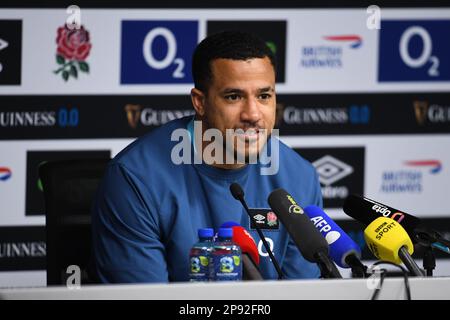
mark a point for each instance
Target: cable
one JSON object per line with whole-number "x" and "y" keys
{"x": 383, "y": 275}
{"x": 377, "y": 290}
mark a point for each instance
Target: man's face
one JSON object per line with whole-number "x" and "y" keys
{"x": 240, "y": 96}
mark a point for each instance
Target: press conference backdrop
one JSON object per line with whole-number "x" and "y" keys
{"x": 368, "y": 104}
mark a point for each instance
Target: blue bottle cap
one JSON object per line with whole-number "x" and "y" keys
{"x": 226, "y": 233}
{"x": 205, "y": 233}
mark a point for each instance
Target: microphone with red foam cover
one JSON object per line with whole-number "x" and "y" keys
{"x": 250, "y": 256}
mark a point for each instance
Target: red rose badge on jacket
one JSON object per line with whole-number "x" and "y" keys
{"x": 74, "y": 47}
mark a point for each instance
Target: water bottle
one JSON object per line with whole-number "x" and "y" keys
{"x": 199, "y": 255}
{"x": 226, "y": 263}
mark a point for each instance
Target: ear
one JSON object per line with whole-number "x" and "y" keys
{"x": 198, "y": 101}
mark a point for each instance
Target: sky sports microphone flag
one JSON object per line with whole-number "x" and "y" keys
{"x": 249, "y": 250}
{"x": 388, "y": 241}
{"x": 343, "y": 250}
{"x": 308, "y": 240}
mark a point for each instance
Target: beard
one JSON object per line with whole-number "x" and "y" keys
{"x": 239, "y": 146}
{"x": 243, "y": 151}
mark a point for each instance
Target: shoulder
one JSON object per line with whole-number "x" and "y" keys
{"x": 298, "y": 176}
{"x": 292, "y": 160}
{"x": 151, "y": 149}
{"x": 146, "y": 162}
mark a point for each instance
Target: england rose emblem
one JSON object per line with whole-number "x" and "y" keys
{"x": 271, "y": 219}
{"x": 74, "y": 47}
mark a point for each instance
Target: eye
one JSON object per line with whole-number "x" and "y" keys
{"x": 265, "y": 96}
{"x": 232, "y": 97}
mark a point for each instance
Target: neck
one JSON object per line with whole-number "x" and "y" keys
{"x": 211, "y": 157}
{"x": 220, "y": 161}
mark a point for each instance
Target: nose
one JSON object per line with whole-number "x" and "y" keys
{"x": 251, "y": 111}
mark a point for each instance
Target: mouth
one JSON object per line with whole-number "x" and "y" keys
{"x": 249, "y": 134}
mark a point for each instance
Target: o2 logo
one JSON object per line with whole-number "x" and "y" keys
{"x": 157, "y": 52}
{"x": 426, "y": 54}
{"x": 170, "y": 56}
{"x": 262, "y": 250}
{"x": 414, "y": 50}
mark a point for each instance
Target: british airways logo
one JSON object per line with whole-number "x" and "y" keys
{"x": 5, "y": 173}
{"x": 410, "y": 180}
{"x": 434, "y": 165}
{"x": 330, "y": 51}
{"x": 355, "y": 41}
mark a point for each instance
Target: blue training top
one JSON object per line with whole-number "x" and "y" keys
{"x": 147, "y": 210}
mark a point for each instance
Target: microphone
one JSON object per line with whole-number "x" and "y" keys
{"x": 343, "y": 250}
{"x": 366, "y": 210}
{"x": 238, "y": 194}
{"x": 309, "y": 241}
{"x": 388, "y": 241}
{"x": 250, "y": 256}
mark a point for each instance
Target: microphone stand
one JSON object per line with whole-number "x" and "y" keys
{"x": 429, "y": 261}
{"x": 327, "y": 268}
{"x": 430, "y": 240}
{"x": 358, "y": 269}
{"x": 409, "y": 262}
{"x": 264, "y": 241}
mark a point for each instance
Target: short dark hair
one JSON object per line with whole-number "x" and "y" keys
{"x": 235, "y": 45}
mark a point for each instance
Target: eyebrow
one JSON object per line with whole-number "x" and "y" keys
{"x": 266, "y": 89}
{"x": 232, "y": 90}
{"x": 236, "y": 90}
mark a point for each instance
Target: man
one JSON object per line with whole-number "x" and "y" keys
{"x": 151, "y": 204}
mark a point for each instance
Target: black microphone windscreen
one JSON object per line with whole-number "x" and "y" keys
{"x": 366, "y": 210}
{"x": 236, "y": 191}
{"x": 357, "y": 209}
{"x": 302, "y": 231}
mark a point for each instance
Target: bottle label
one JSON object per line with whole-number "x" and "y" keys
{"x": 227, "y": 267}
{"x": 199, "y": 268}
